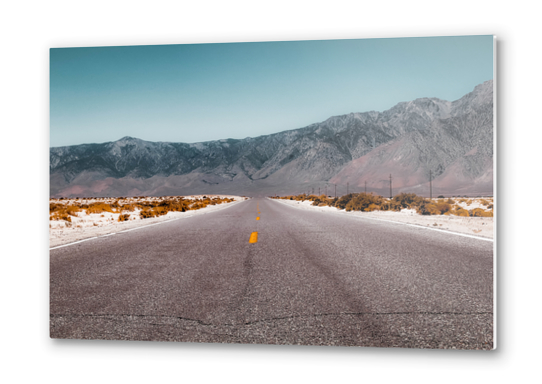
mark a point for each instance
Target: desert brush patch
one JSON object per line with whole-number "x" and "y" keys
{"x": 96, "y": 211}
{"x": 72, "y": 219}
{"x": 368, "y": 202}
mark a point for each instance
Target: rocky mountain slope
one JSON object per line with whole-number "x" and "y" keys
{"x": 452, "y": 139}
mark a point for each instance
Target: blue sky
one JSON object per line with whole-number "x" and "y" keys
{"x": 200, "y": 92}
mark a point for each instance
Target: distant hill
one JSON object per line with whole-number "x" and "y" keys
{"x": 454, "y": 140}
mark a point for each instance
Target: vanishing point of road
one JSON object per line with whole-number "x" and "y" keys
{"x": 265, "y": 272}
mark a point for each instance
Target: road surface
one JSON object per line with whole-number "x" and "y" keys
{"x": 290, "y": 277}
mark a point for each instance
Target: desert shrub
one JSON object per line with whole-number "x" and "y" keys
{"x": 179, "y": 207}
{"x": 364, "y": 202}
{"x": 124, "y": 217}
{"x": 72, "y": 210}
{"x": 408, "y": 200}
{"x": 427, "y": 208}
{"x": 55, "y": 207}
{"x": 60, "y": 216}
{"x": 440, "y": 197}
{"x": 372, "y": 207}
{"x": 450, "y": 201}
{"x": 461, "y": 212}
{"x": 443, "y": 207}
{"x": 174, "y": 205}
{"x": 344, "y": 200}
{"x": 479, "y": 212}
{"x": 430, "y": 208}
{"x": 62, "y": 212}
{"x": 196, "y": 205}
{"x": 147, "y": 213}
{"x": 484, "y": 202}
{"x": 152, "y": 212}
{"x": 128, "y": 207}
{"x": 321, "y": 201}
{"x": 390, "y": 205}
{"x": 99, "y": 208}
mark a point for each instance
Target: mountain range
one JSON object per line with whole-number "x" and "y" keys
{"x": 452, "y": 140}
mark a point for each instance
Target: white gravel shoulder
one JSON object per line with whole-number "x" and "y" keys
{"x": 476, "y": 226}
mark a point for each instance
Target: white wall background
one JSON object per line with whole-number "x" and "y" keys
{"x": 28, "y": 29}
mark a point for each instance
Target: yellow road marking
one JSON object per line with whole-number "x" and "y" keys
{"x": 253, "y": 237}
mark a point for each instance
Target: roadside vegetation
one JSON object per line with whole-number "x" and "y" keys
{"x": 368, "y": 202}
{"x": 127, "y": 208}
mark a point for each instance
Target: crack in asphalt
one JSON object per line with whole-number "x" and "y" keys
{"x": 274, "y": 318}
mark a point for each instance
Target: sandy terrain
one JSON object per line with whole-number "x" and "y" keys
{"x": 476, "y": 226}
{"x": 84, "y": 226}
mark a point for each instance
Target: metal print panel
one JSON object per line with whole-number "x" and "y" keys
{"x": 334, "y": 193}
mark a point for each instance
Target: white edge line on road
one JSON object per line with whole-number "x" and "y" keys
{"x": 145, "y": 226}
{"x": 114, "y": 233}
{"x": 433, "y": 229}
{"x": 150, "y": 225}
{"x": 400, "y": 222}
{"x": 80, "y": 241}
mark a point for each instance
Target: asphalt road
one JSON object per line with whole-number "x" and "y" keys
{"x": 312, "y": 278}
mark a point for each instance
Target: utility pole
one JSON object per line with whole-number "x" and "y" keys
{"x": 326, "y": 190}
{"x": 335, "y": 190}
{"x": 430, "y": 186}
{"x": 390, "y": 188}
{"x": 366, "y": 187}
{"x": 318, "y": 191}
{"x": 347, "y": 185}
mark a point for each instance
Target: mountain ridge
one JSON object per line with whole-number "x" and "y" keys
{"x": 421, "y": 135}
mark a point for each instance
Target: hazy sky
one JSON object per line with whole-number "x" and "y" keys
{"x": 200, "y": 92}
